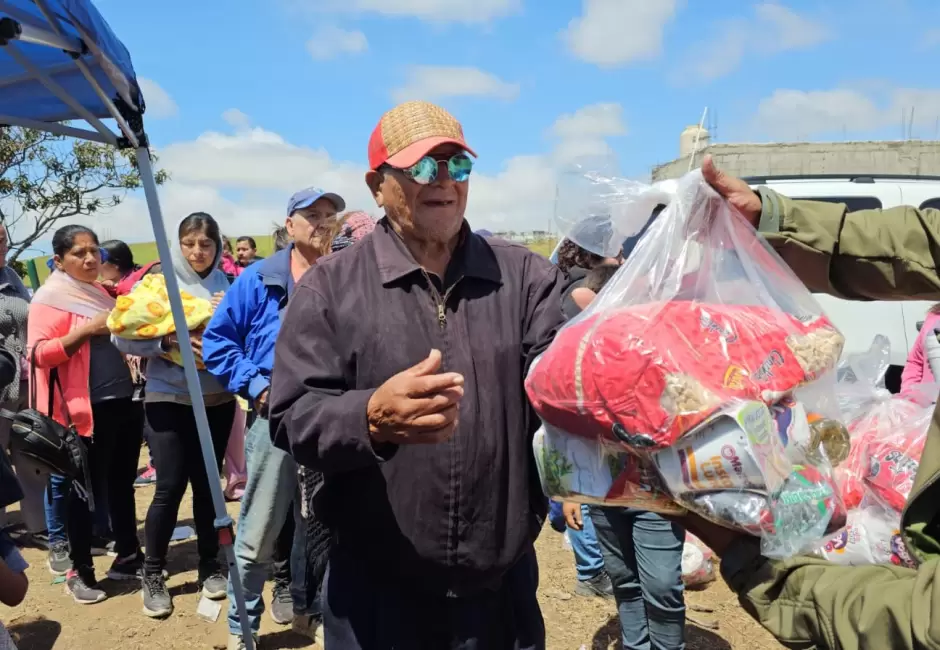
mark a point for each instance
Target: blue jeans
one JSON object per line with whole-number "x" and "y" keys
{"x": 271, "y": 495}
{"x": 56, "y": 503}
{"x": 643, "y": 556}
{"x": 588, "y": 558}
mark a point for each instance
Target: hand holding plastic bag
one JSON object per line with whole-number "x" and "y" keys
{"x": 679, "y": 357}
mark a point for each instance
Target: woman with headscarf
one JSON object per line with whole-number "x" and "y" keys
{"x": 174, "y": 442}
{"x": 92, "y": 391}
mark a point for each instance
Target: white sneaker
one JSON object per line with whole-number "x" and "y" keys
{"x": 235, "y": 641}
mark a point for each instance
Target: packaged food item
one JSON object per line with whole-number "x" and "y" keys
{"x": 739, "y": 460}
{"x": 698, "y": 562}
{"x": 572, "y": 468}
{"x": 871, "y": 536}
{"x": 703, "y": 314}
{"x": 677, "y": 364}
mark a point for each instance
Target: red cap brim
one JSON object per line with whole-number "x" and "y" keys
{"x": 418, "y": 150}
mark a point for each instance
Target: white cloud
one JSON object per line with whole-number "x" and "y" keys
{"x": 617, "y": 32}
{"x": 438, "y": 11}
{"x": 244, "y": 175}
{"x": 435, "y": 82}
{"x": 158, "y": 101}
{"x": 797, "y": 114}
{"x": 330, "y": 42}
{"x": 582, "y": 135}
{"x": 772, "y": 29}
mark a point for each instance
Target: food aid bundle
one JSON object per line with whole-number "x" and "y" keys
{"x": 698, "y": 562}
{"x": 887, "y": 434}
{"x": 145, "y": 314}
{"x": 701, "y": 374}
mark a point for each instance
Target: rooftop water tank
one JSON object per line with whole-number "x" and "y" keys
{"x": 687, "y": 141}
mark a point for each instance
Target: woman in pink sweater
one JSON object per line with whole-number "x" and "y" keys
{"x": 917, "y": 370}
{"x": 68, "y": 335}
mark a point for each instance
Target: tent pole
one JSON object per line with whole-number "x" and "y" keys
{"x": 223, "y": 523}
{"x": 58, "y": 129}
{"x": 58, "y": 91}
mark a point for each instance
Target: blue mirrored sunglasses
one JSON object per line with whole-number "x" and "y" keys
{"x": 424, "y": 172}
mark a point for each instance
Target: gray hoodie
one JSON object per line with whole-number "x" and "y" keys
{"x": 165, "y": 377}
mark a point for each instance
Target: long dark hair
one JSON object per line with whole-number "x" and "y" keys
{"x": 64, "y": 238}
{"x": 201, "y": 222}
{"x": 120, "y": 255}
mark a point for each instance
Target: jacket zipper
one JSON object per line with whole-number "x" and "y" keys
{"x": 441, "y": 304}
{"x": 439, "y": 300}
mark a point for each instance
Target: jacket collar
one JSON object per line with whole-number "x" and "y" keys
{"x": 274, "y": 271}
{"x": 472, "y": 258}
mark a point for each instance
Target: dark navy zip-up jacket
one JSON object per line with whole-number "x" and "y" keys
{"x": 449, "y": 518}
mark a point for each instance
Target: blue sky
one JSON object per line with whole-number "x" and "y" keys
{"x": 250, "y": 100}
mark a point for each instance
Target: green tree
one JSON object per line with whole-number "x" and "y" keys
{"x": 45, "y": 178}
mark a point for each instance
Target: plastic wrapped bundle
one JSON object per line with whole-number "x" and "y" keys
{"x": 698, "y": 562}
{"x": 703, "y": 314}
{"x": 572, "y": 468}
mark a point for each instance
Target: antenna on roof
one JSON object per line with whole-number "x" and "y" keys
{"x": 698, "y": 135}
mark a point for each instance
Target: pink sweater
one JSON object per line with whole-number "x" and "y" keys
{"x": 916, "y": 370}
{"x": 45, "y": 328}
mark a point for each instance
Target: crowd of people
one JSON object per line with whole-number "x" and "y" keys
{"x": 364, "y": 392}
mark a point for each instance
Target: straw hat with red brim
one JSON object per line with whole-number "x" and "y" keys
{"x": 409, "y": 131}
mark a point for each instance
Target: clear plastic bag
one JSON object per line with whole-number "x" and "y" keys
{"x": 698, "y": 562}
{"x": 699, "y": 332}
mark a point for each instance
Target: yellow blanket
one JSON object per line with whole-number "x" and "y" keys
{"x": 144, "y": 314}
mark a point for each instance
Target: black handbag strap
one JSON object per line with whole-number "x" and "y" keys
{"x": 53, "y": 384}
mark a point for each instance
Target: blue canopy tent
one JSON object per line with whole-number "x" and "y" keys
{"x": 61, "y": 65}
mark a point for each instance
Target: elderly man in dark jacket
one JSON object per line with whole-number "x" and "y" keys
{"x": 399, "y": 373}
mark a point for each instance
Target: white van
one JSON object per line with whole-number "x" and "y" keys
{"x": 861, "y": 321}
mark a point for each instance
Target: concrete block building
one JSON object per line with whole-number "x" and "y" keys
{"x": 905, "y": 157}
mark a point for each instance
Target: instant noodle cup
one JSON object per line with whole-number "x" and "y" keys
{"x": 716, "y": 456}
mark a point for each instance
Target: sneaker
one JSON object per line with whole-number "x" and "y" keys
{"x": 58, "y": 560}
{"x": 82, "y": 586}
{"x": 282, "y": 605}
{"x": 599, "y": 585}
{"x": 157, "y": 601}
{"x": 127, "y": 568}
{"x": 147, "y": 477}
{"x": 310, "y": 626}
{"x": 214, "y": 586}
{"x": 235, "y": 641}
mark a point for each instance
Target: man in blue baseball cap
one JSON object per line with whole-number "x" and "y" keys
{"x": 238, "y": 348}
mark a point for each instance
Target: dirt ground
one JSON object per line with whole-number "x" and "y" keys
{"x": 48, "y": 619}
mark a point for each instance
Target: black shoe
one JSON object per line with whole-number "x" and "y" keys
{"x": 58, "y": 560}
{"x": 599, "y": 585}
{"x": 127, "y": 568}
{"x": 282, "y": 605}
{"x": 157, "y": 600}
{"x": 82, "y": 586}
